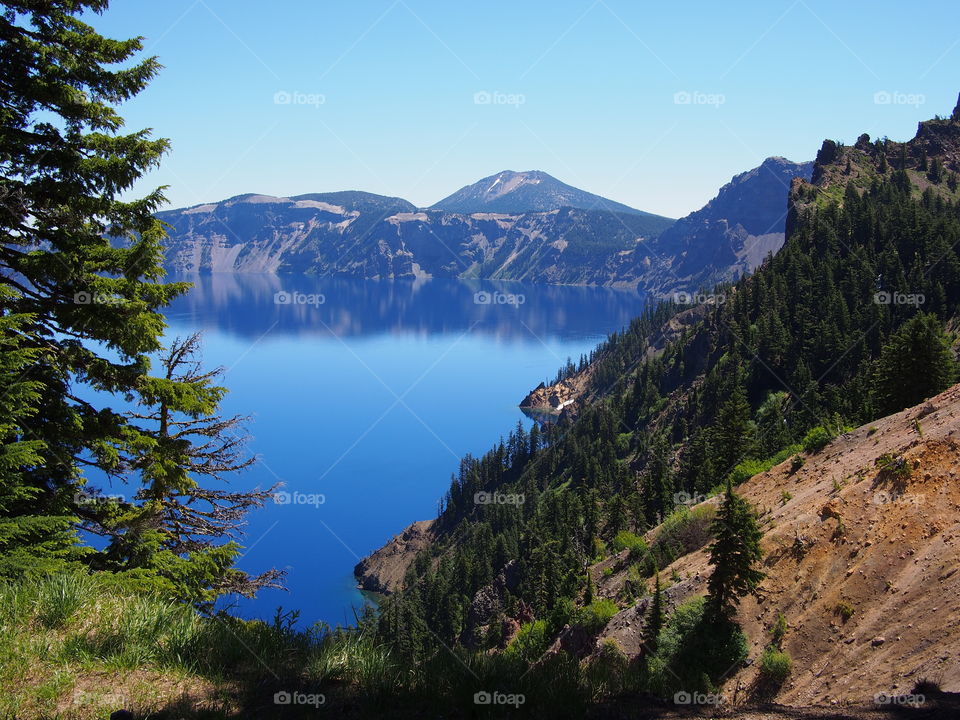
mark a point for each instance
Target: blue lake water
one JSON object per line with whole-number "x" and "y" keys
{"x": 368, "y": 393}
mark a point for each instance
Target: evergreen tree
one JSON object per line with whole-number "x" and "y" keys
{"x": 915, "y": 364}
{"x": 181, "y": 531}
{"x": 733, "y": 432}
{"x": 36, "y": 527}
{"x": 734, "y": 555}
{"x": 656, "y": 617}
{"x": 90, "y": 307}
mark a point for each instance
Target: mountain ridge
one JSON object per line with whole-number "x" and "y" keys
{"x": 514, "y": 192}
{"x": 364, "y": 235}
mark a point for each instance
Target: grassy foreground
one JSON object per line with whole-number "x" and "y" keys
{"x": 78, "y": 646}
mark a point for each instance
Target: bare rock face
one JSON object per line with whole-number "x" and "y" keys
{"x": 384, "y": 570}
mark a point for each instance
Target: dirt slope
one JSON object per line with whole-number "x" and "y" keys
{"x": 842, "y": 532}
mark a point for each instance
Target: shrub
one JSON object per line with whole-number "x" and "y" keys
{"x": 594, "y": 617}
{"x": 816, "y": 439}
{"x": 626, "y": 540}
{"x": 779, "y": 631}
{"x": 796, "y": 463}
{"x": 775, "y": 666}
{"x": 605, "y": 673}
{"x": 530, "y": 642}
{"x": 748, "y": 468}
{"x": 682, "y": 532}
{"x": 845, "y": 610}
{"x": 692, "y": 653}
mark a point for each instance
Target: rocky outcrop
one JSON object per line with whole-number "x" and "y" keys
{"x": 729, "y": 236}
{"x": 383, "y": 571}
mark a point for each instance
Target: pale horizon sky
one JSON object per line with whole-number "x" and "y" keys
{"x": 652, "y": 105}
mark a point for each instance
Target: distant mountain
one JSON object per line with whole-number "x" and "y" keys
{"x": 730, "y": 235}
{"x": 370, "y": 236}
{"x": 362, "y": 235}
{"x": 520, "y": 192}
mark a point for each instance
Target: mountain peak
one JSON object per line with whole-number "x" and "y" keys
{"x": 509, "y": 191}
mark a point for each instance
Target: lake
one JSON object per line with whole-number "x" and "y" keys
{"x": 363, "y": 396}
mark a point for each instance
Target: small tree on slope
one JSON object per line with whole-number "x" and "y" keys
{"x": 734, "y": 555}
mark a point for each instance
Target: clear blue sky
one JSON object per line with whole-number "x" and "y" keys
{"x": 597, "y": 81}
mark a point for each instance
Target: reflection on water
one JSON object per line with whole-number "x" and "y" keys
{"x": 250, "y": 304}
{"x": 370, "y": 393}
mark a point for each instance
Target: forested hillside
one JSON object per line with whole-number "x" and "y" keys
{"x": 845, "y": 324}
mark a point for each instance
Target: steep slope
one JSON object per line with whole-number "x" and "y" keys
{"x": 368, "y": 236}
{"x": 520, "y": 192}
{"x": 842, "y": 531}
{"x": 680, "y": 401}
{"x": 729, "y": 236}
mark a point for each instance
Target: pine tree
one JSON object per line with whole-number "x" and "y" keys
{"x": 178, "y": 528}
{"x": 90, "y": 307}
{"x": 36, "y": 527}
{"x": 915, "y": 364}
{"x": 733, "y": 431}
{"x": 734, "y": 555}
{"x": 656, "y": 617}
